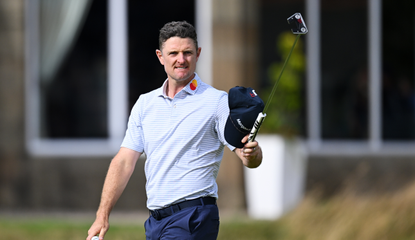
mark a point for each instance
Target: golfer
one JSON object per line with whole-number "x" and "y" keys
{"x": 180, "y": 128}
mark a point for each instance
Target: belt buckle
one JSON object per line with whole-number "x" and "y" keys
{"x": 155, "y": 214}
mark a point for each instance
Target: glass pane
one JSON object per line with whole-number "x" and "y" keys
{"x": 145, "y": 18}
{"x": 344, "y": 82}
{"x": 73, "y": 69}
{"x": 398, "y": 95}
{"x": 286, "y": 111}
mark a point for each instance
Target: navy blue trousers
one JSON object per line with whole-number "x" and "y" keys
{"x": 199, "y": 222}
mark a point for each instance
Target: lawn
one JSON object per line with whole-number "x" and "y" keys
{"x": 20, "y": 229}
{"x": 343, "y": 217}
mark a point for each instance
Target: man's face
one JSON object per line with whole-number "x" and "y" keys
{"x": 179, "y": 57}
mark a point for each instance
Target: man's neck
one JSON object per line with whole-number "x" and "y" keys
{"x": 173, "y": 86}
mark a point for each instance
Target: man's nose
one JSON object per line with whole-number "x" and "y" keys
{"x": 180, "y": 58}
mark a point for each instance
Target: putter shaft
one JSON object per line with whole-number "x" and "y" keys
{"x": 279, "y": 77}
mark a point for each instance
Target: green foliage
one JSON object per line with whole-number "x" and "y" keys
{"x": 284, "y": 111}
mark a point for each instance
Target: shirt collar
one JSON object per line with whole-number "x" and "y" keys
{"x": 161, "y": 92}
{"x": 190, "y": 88}
{"x": 193, "y": 85}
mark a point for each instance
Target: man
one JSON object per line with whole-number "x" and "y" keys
{"x": 180, "y": 128}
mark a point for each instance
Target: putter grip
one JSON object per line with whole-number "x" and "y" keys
{"x": 257, "y": 125}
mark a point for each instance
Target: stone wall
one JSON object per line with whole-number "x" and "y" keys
{"x": 361, "y": 175}
{"x": 234, "y": 64}
{"x": 12, "y": 156}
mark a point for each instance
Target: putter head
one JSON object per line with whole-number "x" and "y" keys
{"x": 297, "y": 24}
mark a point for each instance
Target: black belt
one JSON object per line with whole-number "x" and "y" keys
{"x": 168, "y": 211}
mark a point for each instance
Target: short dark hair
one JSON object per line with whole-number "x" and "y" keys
{"x": 180, "y": 29}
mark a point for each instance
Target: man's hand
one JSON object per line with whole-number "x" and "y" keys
{"x": 100, "y": 226}
{"x": 250, "y": 154}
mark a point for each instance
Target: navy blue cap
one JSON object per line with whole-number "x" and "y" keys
{"x": 244, "y": 105}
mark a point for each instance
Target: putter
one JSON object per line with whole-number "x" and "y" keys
{"x": 298, "y": 28}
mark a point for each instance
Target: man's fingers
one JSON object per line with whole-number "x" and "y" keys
{"x": 98, "y": 227}
{"x": 91, "y": 234}
{"x": 102, "y": 234}
{"x": 245, "y": 139}
{"x": 248, "y": 150}
{"x": 251, "y": 144}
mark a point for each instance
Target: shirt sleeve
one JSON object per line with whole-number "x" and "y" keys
{"x": 134, "y": 137}
{"x": 221, "y": 118}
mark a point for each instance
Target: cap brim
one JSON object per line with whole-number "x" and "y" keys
{"x": 232, "y": 135}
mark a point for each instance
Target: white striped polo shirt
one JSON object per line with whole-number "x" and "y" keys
{"x": 183, "y": 139}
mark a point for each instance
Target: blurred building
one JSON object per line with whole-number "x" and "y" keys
{"x": 70, "y": 72}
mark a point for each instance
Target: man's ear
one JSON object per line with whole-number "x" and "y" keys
{"x": 198, "y": 53}
{"x": 160, "y": 56}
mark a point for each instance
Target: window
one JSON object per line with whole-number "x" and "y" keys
{"x": 73, "y": 70}
{"x": 344, "y": 77}
{"x": 398, "y": 91}
{"x": 360, "y": 79}
{"x": 75, "y": 79}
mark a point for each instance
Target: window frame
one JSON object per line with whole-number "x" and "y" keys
{"x": 117, "y": 90}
